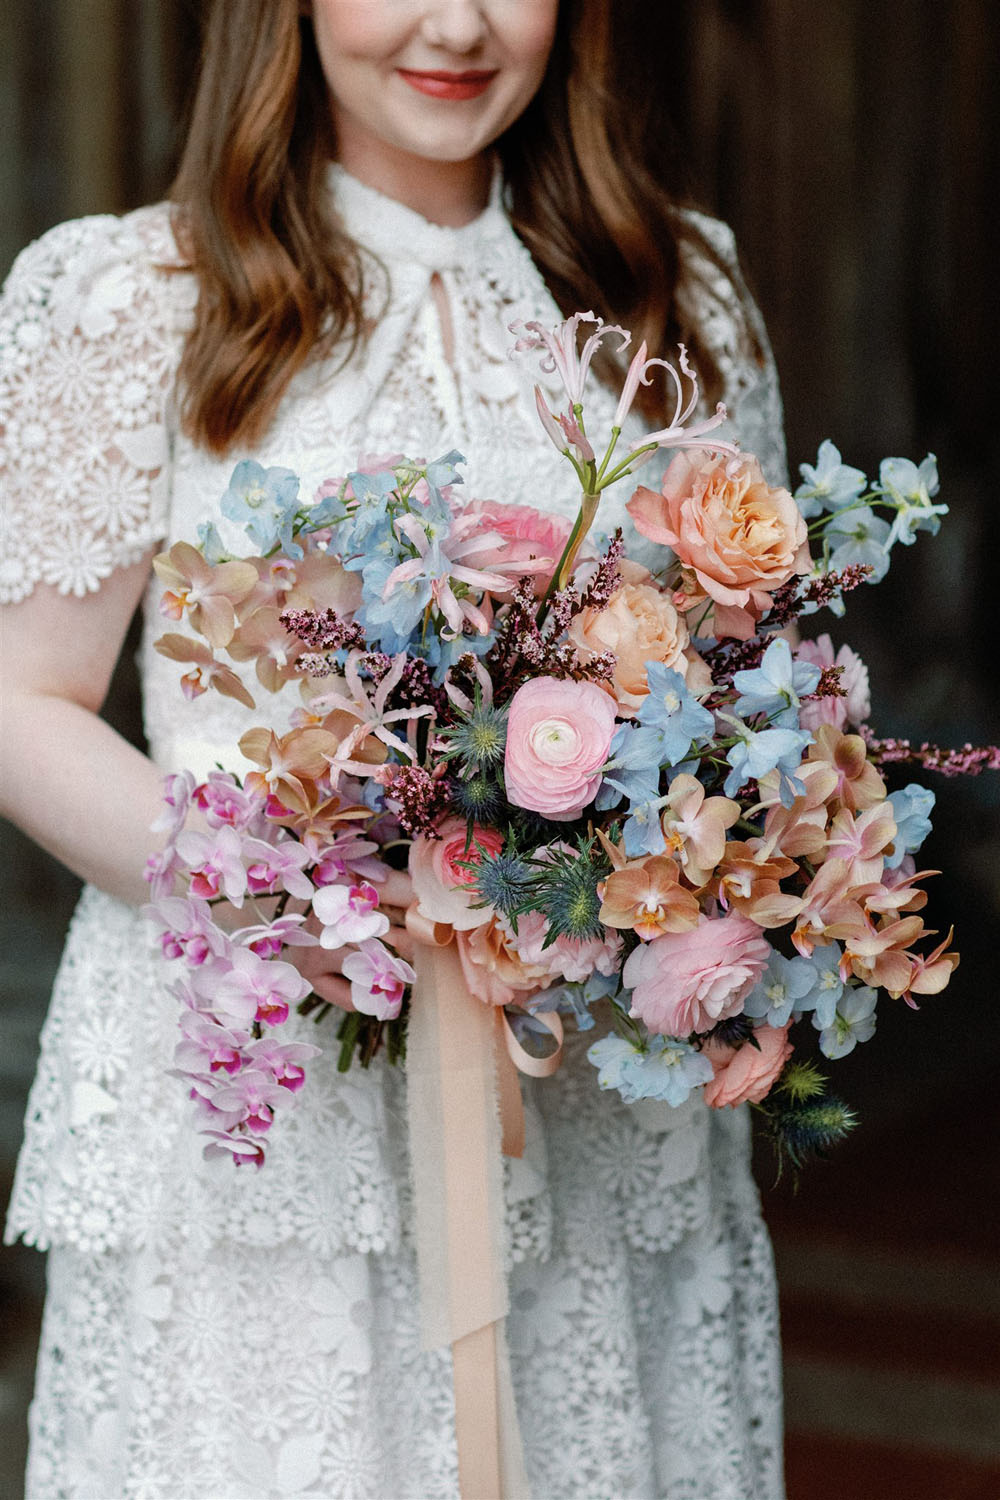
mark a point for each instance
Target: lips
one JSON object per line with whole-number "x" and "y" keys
{"x": 447, "y": 85}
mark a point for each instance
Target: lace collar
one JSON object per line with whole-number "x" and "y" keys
{"x": 394, "y": 232}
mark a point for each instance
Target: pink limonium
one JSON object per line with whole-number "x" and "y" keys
{"x": 378, "y": 980}
{"x": 558, "y": 737}
{"x": 216, "y": 864}
{"x": 280, "y": 865}
{"x": 256, "y": 989}
{"x": 349, "y": 914}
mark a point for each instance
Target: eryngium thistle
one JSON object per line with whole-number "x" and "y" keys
{"x": 503, "y": 882}
{"x": 803, "y": 1131}
{"x": 479, "y": 800}
{"x": 477, "y": 739}
{"x": 564, "y": 888}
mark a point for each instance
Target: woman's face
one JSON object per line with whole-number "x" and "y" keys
{"x": 436, "y": 79}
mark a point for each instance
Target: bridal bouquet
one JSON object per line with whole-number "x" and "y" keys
{"x": 617, "y": 787}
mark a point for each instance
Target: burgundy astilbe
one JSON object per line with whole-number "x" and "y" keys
{"x": 607, "y": 578}
{"x": 324, "y": 629}
{"x": 787, "y": 603}
{"x": 419, "y": 799}
{"x": 829, "y": 685}
{"x": 966, "y": 760}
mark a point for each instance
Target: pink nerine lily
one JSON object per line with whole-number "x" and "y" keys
{"x": 371, "y": 711}
{"x": 440, "y": 561}
{"x": 562, "y": 355}
{"x": 677, "y": 434}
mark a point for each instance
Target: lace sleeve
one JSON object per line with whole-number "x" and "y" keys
{"x": 716, "y": 298}
{"x": 88, "y": 354}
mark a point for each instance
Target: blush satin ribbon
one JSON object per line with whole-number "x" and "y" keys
{"x": 464, "y": 1111}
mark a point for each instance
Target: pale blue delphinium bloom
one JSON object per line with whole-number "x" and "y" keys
{"x": 264, "y": 502}
{"x": 576, "y": 999}
{"x": 442, "y": 472}
{"x": 643, "y": 831}
{"x": 854, "y": 1022}
{"x": 910, "y": 489}
{"x": 633, "y": 769}
{"x": 912, "y": 808}
{"x": 827, "y": 986}
{"x": 671, "y": 708}
{"x": 755, "y": 753}
{"x": 859, "y": 537}
{"x": 210, "y": 544}
{"x": 372, "y": 493}
{"x": 784, "y": 983}
{"x": 829, "y": 483}
{"x": 777, "y": 687}
{"x": 667, "y": 1069}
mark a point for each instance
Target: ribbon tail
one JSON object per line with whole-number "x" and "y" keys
{"x": 455, "y": 1150}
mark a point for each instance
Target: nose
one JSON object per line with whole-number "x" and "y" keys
{"x": 455, "y": 25}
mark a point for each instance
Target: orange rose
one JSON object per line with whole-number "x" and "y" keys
{"x": 737, "y": 538}
{"x": 746, "y": 1074}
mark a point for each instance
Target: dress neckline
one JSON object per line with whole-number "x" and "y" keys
{"x": 395, "y": 232}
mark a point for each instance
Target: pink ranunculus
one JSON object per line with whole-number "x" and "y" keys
{"x": 746, "y": 1074}
{"x": 737, "y": 538}
{"x": 527, "y": 535}
{"x": 440, "y": 880}
{"x": 856, "y": 707}
{"x": 558, "y": 736}
{"x": 687, "y": 981}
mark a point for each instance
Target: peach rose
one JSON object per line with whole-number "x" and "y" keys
{"x": 440, "y": 881}
{"x": 639, "y": 625}
{"x": 737, "y": 538}
{"x": 558, "y": 736}
{"x": 746, "y": 1074}
{"x": 686, "y": 981}
{"x": 494, "y": 970}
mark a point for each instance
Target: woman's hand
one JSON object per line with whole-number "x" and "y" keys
{"x": 323, "y": 967}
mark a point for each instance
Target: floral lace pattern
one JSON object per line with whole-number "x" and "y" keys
{"x": 643, "y": 1328}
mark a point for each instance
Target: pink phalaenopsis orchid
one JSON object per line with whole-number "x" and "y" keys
{"x": 256, "y": 989}
{"x": 267, "y": 939}
{"x": 188, "y": 930}
{"x": 216, "y": 864}
{"x": 349, "y": 914}
{"x": 224, "y": 801}
{"x": 281, "y": 866}
{"x": 378, "y": 980}
{"x": 207, "y": 1045}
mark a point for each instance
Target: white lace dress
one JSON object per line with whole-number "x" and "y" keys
{"x": 214, "y": 1333}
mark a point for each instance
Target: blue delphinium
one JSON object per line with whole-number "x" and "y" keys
{"x": 665, "y": 1069}
{"x": 671, "y": 708}
{"x": 829, "y": 484}
{"x": 264, "y": 502}
{"x": 780, "y": 990}
{"x": 912, "y": 808}
{"x": 827, "y": 986}
{"x": 576, "y": 999}
{"x": 756, "y": 752}
{"x": 853, "y": 1022}
{"x": 372, "y": 494}
{"x": 911, "y": 489}
{"x": 777, "y": 687}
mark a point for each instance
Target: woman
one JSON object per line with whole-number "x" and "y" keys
{"x": 370, "y": 193}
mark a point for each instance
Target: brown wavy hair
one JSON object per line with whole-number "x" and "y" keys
{"x": 593, "y": 193}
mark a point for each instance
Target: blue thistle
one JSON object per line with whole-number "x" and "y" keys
{"x": 503, "y": 881}
{"x": 477, "y": 739}
{"x": 479, "y": 799}
{"x": 565, "y": 890}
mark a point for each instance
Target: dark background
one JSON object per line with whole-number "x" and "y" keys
{"x": 854, "y": 148}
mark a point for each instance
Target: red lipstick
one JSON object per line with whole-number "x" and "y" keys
{"x": 446, "y": 85}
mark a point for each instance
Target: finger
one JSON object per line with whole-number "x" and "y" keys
{"x": 335, "y": 990}
{"x": 401, "y": 940}
{"x": 396, "y": 889}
